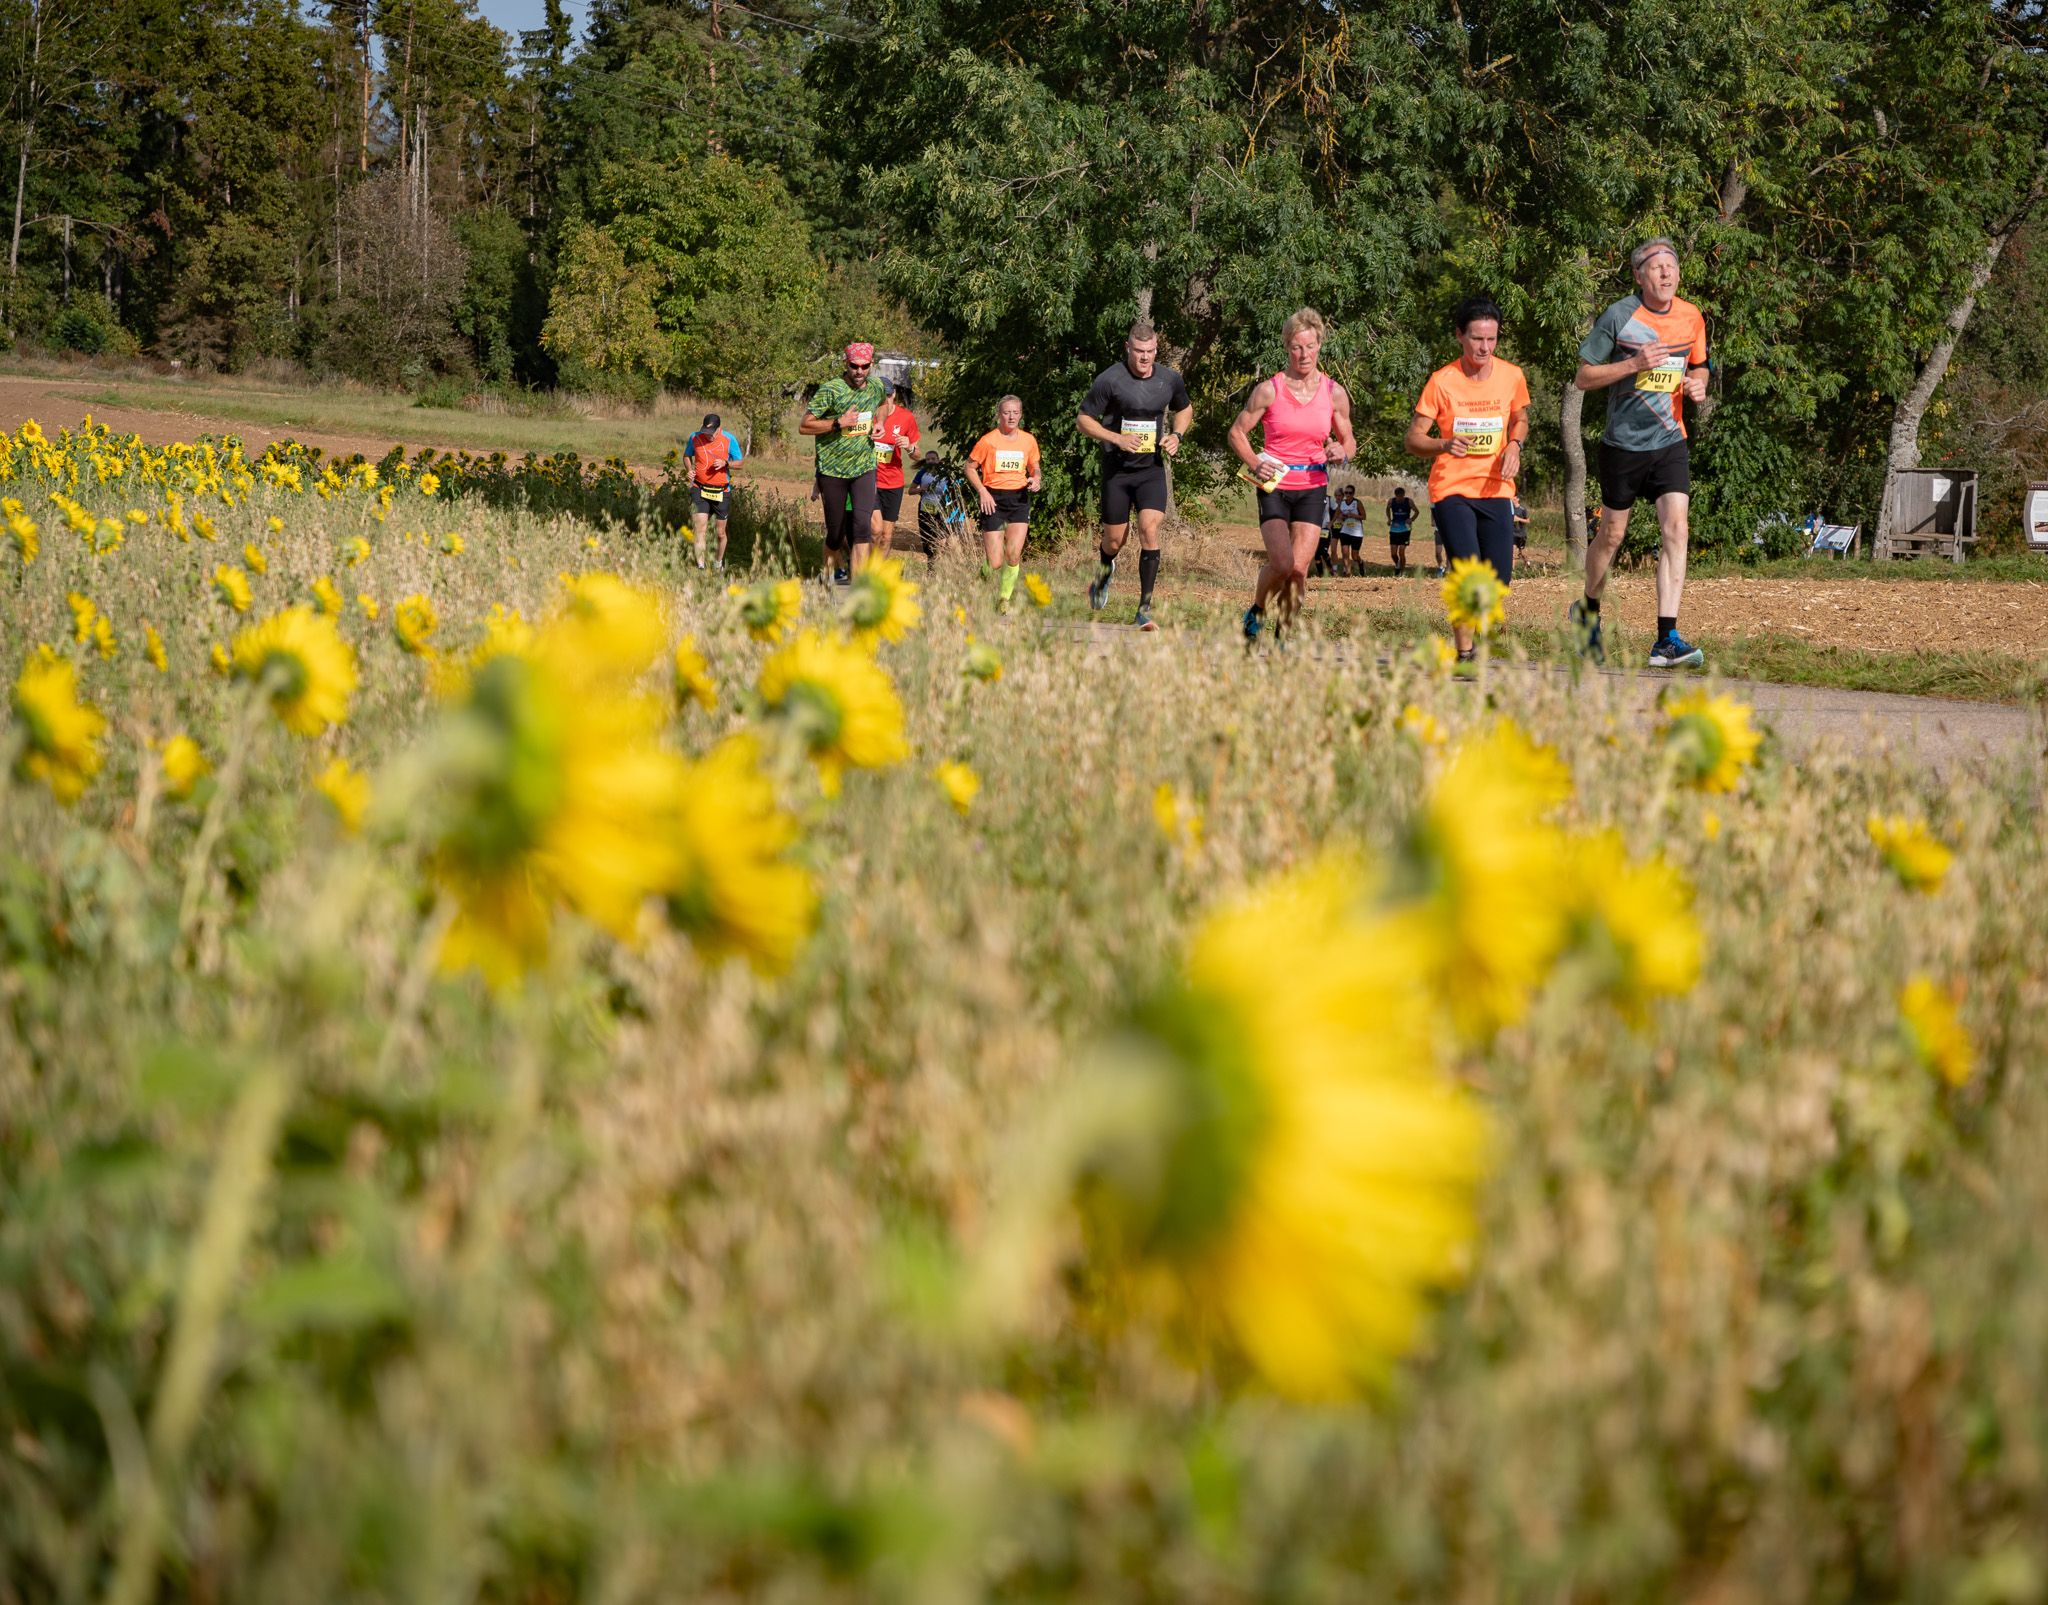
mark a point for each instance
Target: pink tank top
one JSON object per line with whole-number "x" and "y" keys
{"x": 1297, "y": 431}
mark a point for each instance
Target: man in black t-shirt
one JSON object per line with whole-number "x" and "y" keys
{"x": 1139, "y": 413}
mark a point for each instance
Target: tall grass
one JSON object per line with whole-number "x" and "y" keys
{"x": 653, "y": 1280}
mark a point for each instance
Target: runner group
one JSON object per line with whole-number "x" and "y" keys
{"x": 1648, "y": 351}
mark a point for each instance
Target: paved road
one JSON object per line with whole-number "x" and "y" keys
{"x": 1936, "y": 730}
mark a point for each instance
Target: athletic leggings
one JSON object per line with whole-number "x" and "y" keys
{"x": 1478, "y": 528}
{"x": 849, "y": 510}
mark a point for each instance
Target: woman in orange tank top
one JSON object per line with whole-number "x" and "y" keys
{"x": 1306, "y": 419}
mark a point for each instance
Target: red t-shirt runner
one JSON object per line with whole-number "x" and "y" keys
{"x": 899, "y": 439}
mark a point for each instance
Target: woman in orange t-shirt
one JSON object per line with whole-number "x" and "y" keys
{"x": 1479, "y": 406}
{"x": 1003, "y": 468}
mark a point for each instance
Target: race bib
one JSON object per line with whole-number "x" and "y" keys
{"x": 1146, "y": 430}
{"x": 1483, "y": 435}
{"x": 1009, "y": 462}
{"x": 1664, "y": 379}
{"x": 709, "y": 494}
{"x": 885, "y": 452}
{"x": 863, "y": 419}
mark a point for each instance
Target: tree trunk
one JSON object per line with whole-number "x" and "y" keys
{"x": 1904, "y": 449}
{"x": 1571, "y": 415}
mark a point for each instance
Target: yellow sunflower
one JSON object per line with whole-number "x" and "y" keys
{"x": 153, "y": 649}
{"x": 60, "y": 734}
{"x": 982, "y": 662}
{"x": 1916, "y": 855}
{"x": 184, "y": 766}
{"x": 1486, "y": 865}
{"x": 736, "y": 890}
{"x": 1424, "y": 728}
{"x": 252, "y": 554}
{"x": 1039, "y": 592}
{"x": 1633, "y": 923}
{"x": 1178, "y": 818}
{"x": 838, "y": 703}
{"x": 1709, "y": 739}
{"x": 1301, "y": 1177}
{"x": 960, "y": 784}
{"x": 21, "y": 529}
{"x": 693, "y": 676}
{"x": 302, "y": 664}
{"x": 231, "y": 585}
{"x": 769, "y": 610}
{"x": 616, "y": 626}
{"x": 327, "y": 597}
{"x": 881, "y": 605}
{"x": 347, "y": 792}
{"x": 1937, "y": 1035}
{"x": 551, "y": 792}
{"x": 1474, "y": 596}
{"x": 414, "y": 622}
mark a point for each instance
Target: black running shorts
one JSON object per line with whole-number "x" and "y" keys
{"x": 1479, "y": 527}
{"x": 890, "y": 499}
{"x": 1627, "y": 477}
{"x": 1012, "y": 507}
{"x": 712, "y": 499}
{"x": 1142, "y": 488}
{"x": 1304, "y": 506}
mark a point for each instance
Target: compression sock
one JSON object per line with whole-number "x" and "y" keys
{"x": 1148, "y": 574}
{"x": 1593, "y": 605}
{"x": 1006, "y": 587}
{"x": 1666, "y": 626}
{"x": 1107, "y": 560}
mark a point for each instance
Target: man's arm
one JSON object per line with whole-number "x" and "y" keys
{"x": 1183, "y": 421}
{"x": 1095, "y": 429}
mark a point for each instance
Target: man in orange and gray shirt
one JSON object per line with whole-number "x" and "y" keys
{"x": 1648, "y": 351}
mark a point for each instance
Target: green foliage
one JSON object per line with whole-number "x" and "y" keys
{"x": 602, "y": 329}
{"x": 498, "y": 261}
{"x": 737, "y": 283}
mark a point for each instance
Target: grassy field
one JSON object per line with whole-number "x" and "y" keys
{"x": 801, "y": 1095}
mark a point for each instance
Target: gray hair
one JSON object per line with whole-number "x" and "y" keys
{"x": 1649, "y": 248}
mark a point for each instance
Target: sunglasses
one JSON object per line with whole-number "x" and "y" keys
{"x": 859, "y": 367}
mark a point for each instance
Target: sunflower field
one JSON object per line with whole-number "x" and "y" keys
{"x": 535, "y": 1072}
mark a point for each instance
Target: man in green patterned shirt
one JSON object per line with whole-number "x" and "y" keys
{"x": 842, "y": 415}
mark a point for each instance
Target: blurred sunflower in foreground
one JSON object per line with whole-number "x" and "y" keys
{"x": 1912, "y": 851}
{"x": 882, "y": 604}
{"x": 1474, "y": 597}
{"x": 60, "y": 735}
{"x": 1709, "y": 739}
{"x": 837, "y": 704}
{"x": 300, "y": 662}
{"x": 548, "y": 790}
{"x": 1303, "y": 1173}
{"x": 769, "y": 610}
{"x": 736, "y": 889}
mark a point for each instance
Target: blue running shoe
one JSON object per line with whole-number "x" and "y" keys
{"x": 1675, "y": 652}
{"x": 1098, "y": 589}
{"x": 1254, "y": 621}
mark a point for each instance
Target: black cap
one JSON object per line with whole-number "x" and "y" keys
{"x": 711, "y": 420}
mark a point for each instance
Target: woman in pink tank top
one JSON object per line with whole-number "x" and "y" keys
{"x": 1304, "y": 418}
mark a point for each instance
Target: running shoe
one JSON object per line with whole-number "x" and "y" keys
{"x": 1469, "y": 655}
{"x": 1002, "y": 604}
{"x": 842, "y": 576}
{"x": 1144, "y": 618}
{"x": 1098, "y": 589}
{"x": 1675, "y": 652}
{"x": 1587, "y": 626}
{"x": 1254, "y": 621}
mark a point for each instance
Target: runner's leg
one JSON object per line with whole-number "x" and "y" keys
{"x": 1279, "y": 561}
{"x": 1294, "y": 591}
{"x": 724, "y": 537}
{"x": 697, "y": 520}
{"x": 1673, "y": 521}
{"x": 1149, "y": 521}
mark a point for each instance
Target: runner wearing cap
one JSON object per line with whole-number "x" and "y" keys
{"x": 842, "y": 417}
{"x": 1003, "y": 468}
{"x": 1479, "y": 406}
{"x": 1306, "y": 416}
{"x": 1139, "y": 413}
{"x": 1646, "y": 351}
{"x": 896, "y": 436}
{"x": 711, "y": 453}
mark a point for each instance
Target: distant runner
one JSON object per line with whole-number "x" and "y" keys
{"x": 1139, "y": 413}
{"x": 711, "y": 453}
{"x": 1349, "y": 521}
{"x": 1306, "y": 416}
{"x": 1479, "y": 406}
{"x": 896, "y": 437}
{"x": 1646, "y": 350}
{"x": 1400, "y": 526}
{"x": 842, "y": 416}
{"x": 1003, "y": 468}
{"x": 1521, "y": 526}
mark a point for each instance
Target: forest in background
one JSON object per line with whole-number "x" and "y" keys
{"x": 711, "y": 196}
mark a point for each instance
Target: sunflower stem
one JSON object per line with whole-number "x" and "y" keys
{"x": 412, "y": 985}
{"x": 210, "y": 826}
